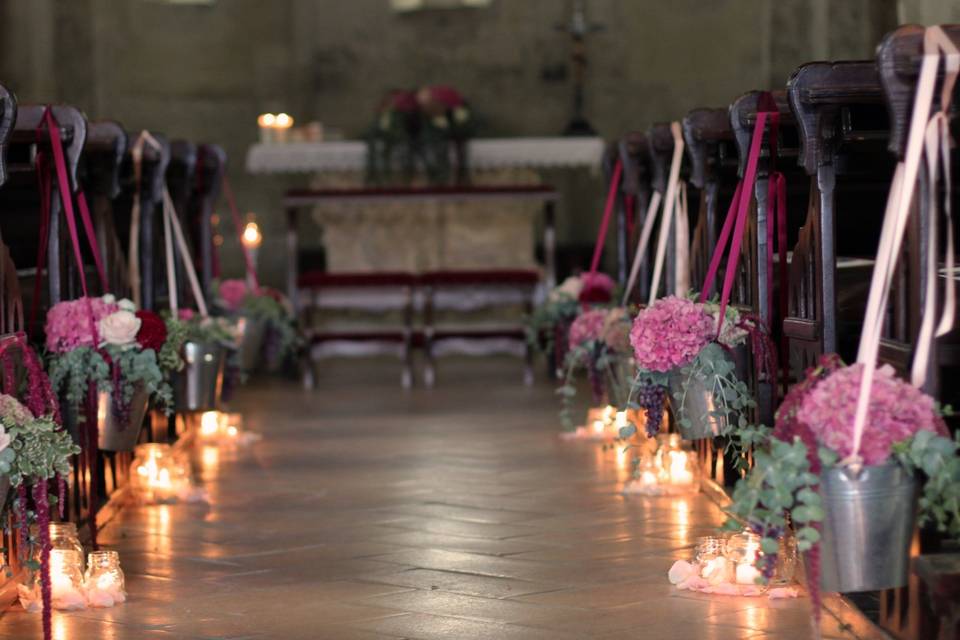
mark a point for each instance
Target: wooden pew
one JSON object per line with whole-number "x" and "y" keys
{"x": 8, "y": 115}
{"x": 915, "y": 612}
{"x": 20, "y": 202}
{"x": 750, "y": 290}
{"x": 635, "y": 190}
{"x": 180, "y": 177}
{"x": 843, "y": 127}
{"x": 211, "y": 166}
{"x": 100, "y": 176}
{"x": 154, "y": 167}
{"x": 713, "y": 159}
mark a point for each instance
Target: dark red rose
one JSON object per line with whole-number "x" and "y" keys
{"x": 153, "y": 331}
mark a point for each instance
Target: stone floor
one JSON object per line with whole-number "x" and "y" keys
{"x": 367, "y": 512}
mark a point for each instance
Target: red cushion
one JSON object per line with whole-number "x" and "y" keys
{"x": 480, "y": 334}
{"x": 365, "y": 336}
{"x": 323, "y": 279}
{"x": 481, "y": 276}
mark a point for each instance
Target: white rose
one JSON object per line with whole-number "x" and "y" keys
{"x": 127, "y": 305}
{"x": 461, "y": 115}
{"x": 571, "y": 287}
{"x": 108, "y": 298}
{"x": 119, "y": 328}
{"x": 4, "y": 438}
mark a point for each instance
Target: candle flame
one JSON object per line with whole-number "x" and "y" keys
{"x": 283, "y": 121}
{"x": 266, "y": 120}
{"x": 251, "y": 235}
{"x": 209, "y": 423}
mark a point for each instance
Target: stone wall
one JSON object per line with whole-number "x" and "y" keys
{"x": 204, "y": 71}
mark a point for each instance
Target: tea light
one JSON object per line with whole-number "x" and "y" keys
{"x": 265, "y": 123}
{"x": 679, "y": 471}
{"x": 599, "y": 426}
{"x": 104, "y": 579}
{"x": 609, "y": 413}
{"x": 210, "y": 425}
{"x": 252, "y": 239}
{"x": 157, "y": 475}
{"x": 714, "y": 571}
{"x": 281, "y": 127}
{"x": 66, "y": 579}
{"x": 744, "y": 550}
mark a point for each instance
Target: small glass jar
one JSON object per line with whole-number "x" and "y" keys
{"x": 66, "y": 579}
{"x": 157, "y": 473}
{"x": 785, "y": 569}
{"x": 104, "y": 579}
{"x": 63, "y": 535}
{"x": 711, "y": 560}
{"x": 743, "y": 551}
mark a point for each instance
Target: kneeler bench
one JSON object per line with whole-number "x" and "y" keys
{"x": 459, "y": 290}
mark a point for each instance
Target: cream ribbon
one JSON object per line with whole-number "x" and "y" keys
{"x": 669, "y": 210}
{"x": 653, "y": 208}
{"x": 133, "y": 246}
{"x": 682, "y": 246}
{"x": 172, "y": 232}
{"x": 930, "y": 135}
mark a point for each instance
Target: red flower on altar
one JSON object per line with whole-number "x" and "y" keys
{"x": 400, "y": 100}
{"x": 153, "y": 331}
{"x": 449, "y": 97}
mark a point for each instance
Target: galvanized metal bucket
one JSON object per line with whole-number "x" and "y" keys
{"x": 252, "y": 331}
{"x": 618, "y": 378}
{"x": 112, "y": 433}
{"x": 698, "y": 401}
{"x": 199, "y": 384}
{"x": 867, "y": 529}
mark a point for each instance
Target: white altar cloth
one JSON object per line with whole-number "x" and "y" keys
{"x": 485, "y": 154}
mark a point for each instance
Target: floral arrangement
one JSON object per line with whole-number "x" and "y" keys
{"x": 416, "y": 129}
{"x": 547, "y": 325}
{"x": 814, "y": 431}
{"x": 109, "y": 345}
{"x": 678, "y": 345}
{"x": 34, "y": 451}
{"x": 266, "y": 305}
{"x": 189, "y": 326}
{"x": 598, "y": 342}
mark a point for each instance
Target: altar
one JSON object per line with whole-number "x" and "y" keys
{"x": 384, "y": 234}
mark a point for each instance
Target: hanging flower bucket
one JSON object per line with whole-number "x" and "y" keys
{"x": 695, "y": 394}
{"x": 252, "y": 332}
{"x": 116, "y": 432}
{"x": 867, "y": 528}
{"x": 199, "y": 384}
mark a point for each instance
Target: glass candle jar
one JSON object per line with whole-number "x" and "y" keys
{"x": 743, "y": 551}
{"x": 785, "y": 569}
{"x": 711, "y": 560}
{"x": 63, "y": 535}
{"x": 157, "y": 474}
{"x": 104, "y": 579}
{"x": 66, "y": 579}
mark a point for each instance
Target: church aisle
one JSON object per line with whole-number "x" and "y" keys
{"x": 367, "y": 512}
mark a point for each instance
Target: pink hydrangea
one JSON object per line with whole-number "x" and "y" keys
{"x": 897, "y": 411}
{"x": 69, "y": 325}
{"x": 587, "y": 326}
{"x": 233, "y": 293}
{"x": 616, "y": 330}
{"x": 596, "y": 288}
{"x": 670, "y": 333}
{"x": 185, "y": 314}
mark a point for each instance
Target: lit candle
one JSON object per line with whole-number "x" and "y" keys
{"x": 679, "y": 473}
{"x": 714, "y": 570}
{"x": 252, "y": 238}
{"x": 210, "y": 425}
{"x": 598, "y": 426}
{"x": 609, "y": 413}
{"x": 65, "y": 580}
{"x": 621, "y": 421}
{"x": 747, "y": 572}
{"x": 266, "y": 123}
{"x": 281, "y": 127}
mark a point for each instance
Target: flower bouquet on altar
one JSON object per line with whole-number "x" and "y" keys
{"x": 266, "y": 323}
{"x": 549, "y": 323}
{"x": 598, "y": 343}
{"x": 107, "y": 359}
{"x": 678, "y": 347}
{"x": 851, "y": 501}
